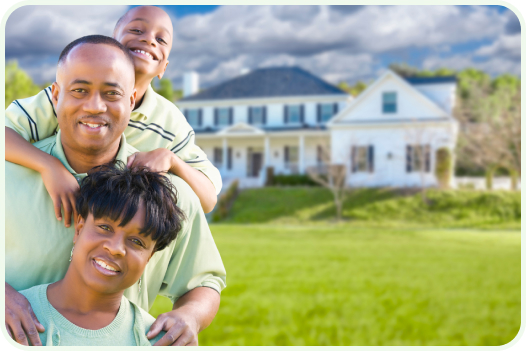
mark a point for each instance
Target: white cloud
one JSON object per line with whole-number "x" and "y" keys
{"x": 508, "y": 46}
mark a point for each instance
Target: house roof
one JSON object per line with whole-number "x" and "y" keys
{"x": 431, "y": 80}
{"x": 268, "y": 82}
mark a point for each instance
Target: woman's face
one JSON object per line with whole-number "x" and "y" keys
{"x": 110, "y": 258}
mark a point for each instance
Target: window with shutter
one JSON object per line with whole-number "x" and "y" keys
{"x": 389, "y": 102}
{"x": 293, "y": 114}
{"x": 223, "y": 116}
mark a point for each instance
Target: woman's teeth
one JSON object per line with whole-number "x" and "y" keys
{"x": 104, "y": 265}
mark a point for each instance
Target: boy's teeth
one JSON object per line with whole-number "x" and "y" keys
{"x": 145, "y": 53}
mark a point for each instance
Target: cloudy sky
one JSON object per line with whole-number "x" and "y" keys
{"x": 338, "y": 43}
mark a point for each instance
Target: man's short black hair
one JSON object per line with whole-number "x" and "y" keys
{"x": 95, "y": 39}
{"x": 115, "y": 192}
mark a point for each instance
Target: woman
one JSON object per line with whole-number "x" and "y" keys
{"x": 125, "y": 216}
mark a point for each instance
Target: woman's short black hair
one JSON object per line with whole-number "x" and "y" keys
{"x": 115, "y": 192}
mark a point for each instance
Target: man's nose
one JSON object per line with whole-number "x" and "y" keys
{"x": 95, "y": 105}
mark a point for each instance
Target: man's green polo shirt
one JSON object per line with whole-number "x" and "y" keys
{"x": 157, "y": 123}
{"x": 38, "y": 247}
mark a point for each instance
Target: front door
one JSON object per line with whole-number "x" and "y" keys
{"x": 257, "y": 162}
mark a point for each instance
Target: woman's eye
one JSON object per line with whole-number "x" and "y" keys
{"x": 138, "y": 242}
{"x": 104, "y": 227}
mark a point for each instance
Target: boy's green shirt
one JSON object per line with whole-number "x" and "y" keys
{"x": 129, "y": 327}
{"x": 37, "y": 246}
{"x": 157, "y": 123}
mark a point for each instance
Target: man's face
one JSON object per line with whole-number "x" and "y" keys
{"x": 93, "y": 96}
{"x": 147, "y": 32}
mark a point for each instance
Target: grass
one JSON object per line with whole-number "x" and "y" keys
{"x": 445, "y": 209}
{"x": 347, "y": 285}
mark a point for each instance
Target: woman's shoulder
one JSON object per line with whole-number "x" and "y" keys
{"x": 36, "y": 295}
{"x": 143, "y": 322}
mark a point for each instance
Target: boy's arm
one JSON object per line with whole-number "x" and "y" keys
{"x": 59, "y": 182}
{"x": 163, "y": 160}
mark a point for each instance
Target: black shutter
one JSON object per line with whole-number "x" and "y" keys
{"x": 302, "y": 113}
{"x": 230, "y": 115}
{"x": 229, "y": 158}
{"x": 354, "y": 166}
{"x": 335, "y": 108}
{"x": 286, "y": 154}
{"x": 200, "y": 117}
{"x": 285, "y": 114}
{"x": 370, "y": 156}
{"x": 264, "y": 114}
{"x": 318, "y": 113}
{"x": 408, "y": 159}
{"x": 215, "y": 116}
{"x": 250, "y": 115}
{"x": 428, "y": 157}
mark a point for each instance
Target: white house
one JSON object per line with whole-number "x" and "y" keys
{"x": 286, "y": 118}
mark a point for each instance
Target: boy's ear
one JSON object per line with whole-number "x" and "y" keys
{"x": 55, "y": 90}
{"x": 79, "y": 224}
{"x": 160, "y": 76}
{"x": 133, "y": 98}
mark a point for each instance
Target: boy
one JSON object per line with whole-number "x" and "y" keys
{"x": 157, "y": 128}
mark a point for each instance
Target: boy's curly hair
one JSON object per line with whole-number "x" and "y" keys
{"x": 115, "y": 192}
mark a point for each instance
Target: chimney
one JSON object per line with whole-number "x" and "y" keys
{"x": 190, "y": 83}
{"x": 244, "y": 70}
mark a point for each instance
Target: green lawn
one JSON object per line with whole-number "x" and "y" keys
{"x": 444, "y": 209}
{"x": 350, "y": 285}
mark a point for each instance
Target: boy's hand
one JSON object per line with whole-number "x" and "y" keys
{"x": 158, "y": 160}
{"x": 62, "y": 187}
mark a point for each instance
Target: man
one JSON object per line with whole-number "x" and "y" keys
{"x": 93, "y": 97}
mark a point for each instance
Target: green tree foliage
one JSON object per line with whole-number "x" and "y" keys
{"x": 18, "y": 84}
{"x": 355, "y": 89}
{"x": 165, "y": 89}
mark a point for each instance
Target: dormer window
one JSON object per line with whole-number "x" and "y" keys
{"x": 389, "y": 102}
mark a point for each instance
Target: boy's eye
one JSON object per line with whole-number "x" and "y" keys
{"x": 161, "y": 40}
{"x": 135, "y": 30}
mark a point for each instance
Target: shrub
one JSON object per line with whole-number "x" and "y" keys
{"x": 293, "y": 180}
{"x": 225, "y": 202}
{"x": 444, "y": 166}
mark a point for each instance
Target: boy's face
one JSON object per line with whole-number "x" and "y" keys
{"x": 108, "y": 257}
{"x": 147, "y": 32}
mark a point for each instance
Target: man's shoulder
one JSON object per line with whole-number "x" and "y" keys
{"x": 38, "y": 101}
{"x": 47, "y": 144}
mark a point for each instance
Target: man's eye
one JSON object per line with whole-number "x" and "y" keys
{"x": 79, "y": 90}
{"x": 113, "y": 93}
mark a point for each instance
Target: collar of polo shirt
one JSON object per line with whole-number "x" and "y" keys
{"x": 147, "y": 106}
{"x": 58, "y": 152}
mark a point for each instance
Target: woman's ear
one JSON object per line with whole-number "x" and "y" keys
{"x": 79, "y": 224}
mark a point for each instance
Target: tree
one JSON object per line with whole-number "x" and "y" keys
{"x": 355, "y": 89}
{"x": 165, "y": 88}
{"x": 490, "y": 116}
{"x": 18, "y": 84}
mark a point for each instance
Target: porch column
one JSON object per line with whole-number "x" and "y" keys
{"x": 267, "y": 152}
{"x": 225, "y": 156}
{"x": 301, "y": 151}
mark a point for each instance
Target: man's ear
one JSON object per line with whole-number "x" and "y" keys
{"x": 55, "y": 90}
{"x": 133, "y": 98}
{"x": 160, "y": 76}
{"x": 79, "y": 224}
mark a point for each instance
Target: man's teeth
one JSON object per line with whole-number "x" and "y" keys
{"x": 92, "y": 125}
{"x": 104, "y": 265}
{"x": 144, "y": 53}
